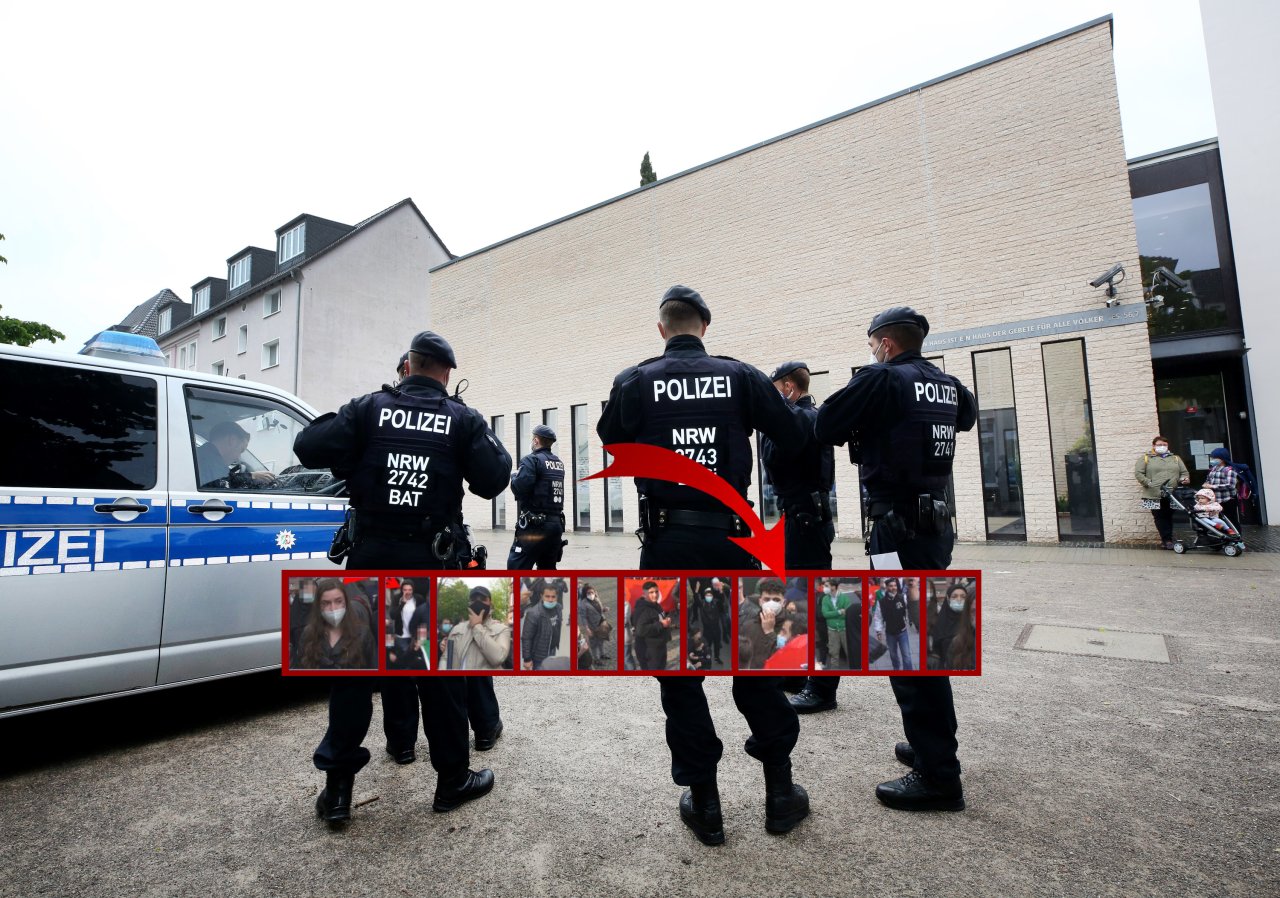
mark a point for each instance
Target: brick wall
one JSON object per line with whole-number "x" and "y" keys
{"x": 989, "y": 197}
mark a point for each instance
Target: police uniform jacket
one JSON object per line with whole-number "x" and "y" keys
{"x": 812, "y": 469}
{"x": 538, "y": 483}
{"x": 704, "y": 407}
{"x": 405, "y": 452}
{"x": 903, "y": 415}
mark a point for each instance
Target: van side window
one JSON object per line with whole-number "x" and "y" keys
{"x": 241, "y": 443}
{"x": 65, "y": 427}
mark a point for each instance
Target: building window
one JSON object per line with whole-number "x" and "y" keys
{"x": 998, "y": 445}
{"x": 1176, "y": 232}
{"x": 498, "y": 424}
{"x": 612, "y": 496}
{"x": 166, "y": 320}
{"x": 271, "y": 304}
{"x": 551, "y": 418}
{"x": 239, "y": 272}
{"x": 291, "y": 242}
{"x": 1075, "y": 462}
{"x": 200, "y": 302}
{"x": 523, "y": 435}
{"x": 581, "y": 488}
{"x": 242, "y": 340}
{"x": 187, "y": 356}
{"x": 270, "y": 354}
{"x": 219, "y": 368}
{"x": 219, "y": 327}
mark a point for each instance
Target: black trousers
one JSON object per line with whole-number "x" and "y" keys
{"x": 482, "y": 705}
{"x": 809, "y": 548}
{"x": 537, "y": 545}
{"x": 443, "y": 699}
{"x": 928, "y": 709}
{"x": 1163, "y": 516}
{"x": 691, "y": 734}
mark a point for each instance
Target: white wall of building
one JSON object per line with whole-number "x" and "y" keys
{"x": 1241, "y": 37}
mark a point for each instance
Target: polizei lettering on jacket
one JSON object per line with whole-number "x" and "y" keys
{"x": 403, "y": 419}
{"x": 937, "y": 393}
{"x": 718, "y": 386}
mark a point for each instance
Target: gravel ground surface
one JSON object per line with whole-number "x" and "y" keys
{"x": 1083, "y": 776}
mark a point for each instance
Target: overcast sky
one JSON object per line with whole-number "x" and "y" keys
{"x": 143, "y": 143}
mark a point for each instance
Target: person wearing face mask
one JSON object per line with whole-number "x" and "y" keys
{"x": 592, "y": 623}
{"x": 1224, "y": 480}
{"x": 831, "y": 608}
{"x": 538, "y": 626}
{"x": 1158, "y": 468}
{"x": 334, "y": 639}
{"x": 479, "y": 642}
{"x": 764, "y": 627}
{"x": 963, "y": 652}
{"x": 944, "y": 623}
{"x": 704, "y": 615}
{"x": 900, "y": 415}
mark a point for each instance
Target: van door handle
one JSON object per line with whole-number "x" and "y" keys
{"x": 122, "y": 505}
{"x": 213, "y": 506}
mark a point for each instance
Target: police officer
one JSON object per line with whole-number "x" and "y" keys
{"x": 706, "y": 408}
{"x": 900, "y": 415}
{"x": 802, "y": 484}
{"x": 538, "y": 485}
{"x": 405, "y": 452}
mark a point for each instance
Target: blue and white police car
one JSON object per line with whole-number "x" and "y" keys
{"x": 145, "y": 516}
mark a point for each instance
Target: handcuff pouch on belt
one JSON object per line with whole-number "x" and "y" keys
{"x": 343, "y": 538}
{"x": 453, "y": 546}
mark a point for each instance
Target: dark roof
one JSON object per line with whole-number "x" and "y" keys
{"x": 1199, "y": 146}
{"x": 145, "y": 316}
{"x": 772, "y": 140}
{"x": 285, "y": 273}
{"x": 293, "y": 221}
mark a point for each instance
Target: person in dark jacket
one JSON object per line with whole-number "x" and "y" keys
{"x": 652, "y": 629}
{"x": 945, "y": 625}
{"x": 337, "y": 635}
{"x": 703, "y": 613}
{"x": 537, "y": 628}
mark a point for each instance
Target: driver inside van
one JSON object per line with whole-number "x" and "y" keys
{"x": 221, "y": 452}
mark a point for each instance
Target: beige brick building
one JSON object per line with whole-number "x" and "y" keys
{"x": 987, "y": 197}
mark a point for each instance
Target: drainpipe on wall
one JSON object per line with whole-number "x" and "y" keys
{"x": 297, "y": 328}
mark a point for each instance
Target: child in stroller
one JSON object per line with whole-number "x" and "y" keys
{"x": 1207, "y": 510}
{"x": 1211, "y": 530}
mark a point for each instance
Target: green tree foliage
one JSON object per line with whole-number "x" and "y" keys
{"x": 2, "y": 258}
{"x": 647, "y": 175}
{"x": 24, "y": 333}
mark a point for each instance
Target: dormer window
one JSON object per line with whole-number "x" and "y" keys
{"x": 200, "y": 302}
{"x": 292, "y": 242}
{"x": 166, "y": 320}
{"x": 239, "y": 272}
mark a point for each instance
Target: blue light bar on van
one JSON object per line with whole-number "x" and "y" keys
{"x": 124, "y": 347}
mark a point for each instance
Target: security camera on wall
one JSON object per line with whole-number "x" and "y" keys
{"x": 1112, "y": 276}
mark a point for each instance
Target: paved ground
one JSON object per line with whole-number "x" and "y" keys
{"x": 1084, "y": 776}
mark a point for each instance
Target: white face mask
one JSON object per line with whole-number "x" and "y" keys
{"x": 956, "y": 604}
{"x": 334, "y": 618}
{"x": 1162, "y": 450}
{"x": 772, "y": 606}
{"x": 826, "y": 590}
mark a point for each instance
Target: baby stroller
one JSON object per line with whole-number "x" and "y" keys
{"x": 1183, "y": 499}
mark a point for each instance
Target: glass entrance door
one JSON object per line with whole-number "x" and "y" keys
{"x": 1193, "y": 415}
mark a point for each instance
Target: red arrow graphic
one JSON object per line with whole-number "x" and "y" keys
{"x": 656, "y": 463}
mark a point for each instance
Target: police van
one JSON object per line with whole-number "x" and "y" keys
{"x": 145, "y": 516}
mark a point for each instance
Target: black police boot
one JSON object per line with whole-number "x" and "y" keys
{"x": 915, "y": 792}
{"x": 403, "y": 755}
{"x": 457, "y": 791}
{"x": 700, "y": 811}
{"x": 809, "y": 702}
{"x": 333, "y": 804}
{"x": 905, "y": 753}
{"x": 794, "y": 685}
{"x": 785, "y": 803}
{"x": 484, "y": 743}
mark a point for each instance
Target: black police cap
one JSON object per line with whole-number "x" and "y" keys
{"x": 545, "y": 432}
{"x": 435, "y": 346}
{"x": 787, "y": 368}
{"x": 899, "y": 315}
{"x": 680, "y": 293}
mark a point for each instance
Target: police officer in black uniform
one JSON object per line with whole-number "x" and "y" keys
{"x": 538, "y": 485}
{"x": 405, "y": 452}
{"x": 900, "y": 415}
{"x": 802, "y": 484}
{"x": 705, "y": 407}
